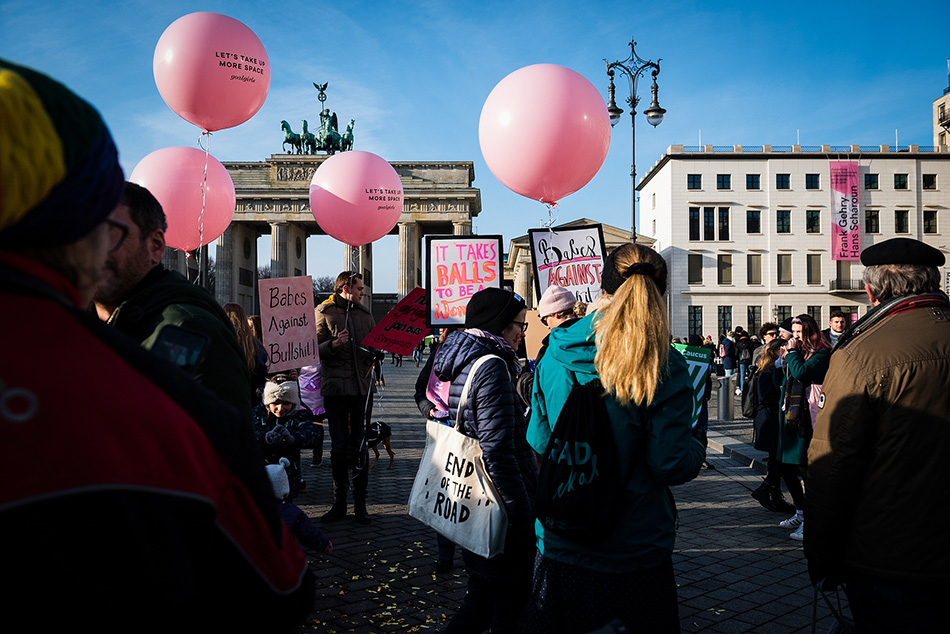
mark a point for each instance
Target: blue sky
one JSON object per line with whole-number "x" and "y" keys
{"x": 415, "y": 75}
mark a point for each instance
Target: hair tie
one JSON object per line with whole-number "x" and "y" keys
{"x": 641, "y": 268}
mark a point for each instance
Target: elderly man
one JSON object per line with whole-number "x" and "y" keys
{"x": 127, "y": 500}
{"x": 876, "y": 495}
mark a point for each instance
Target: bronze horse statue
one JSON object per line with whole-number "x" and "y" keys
{"x": 346, "y": 143}
{"x": 290, "y": 137}
{"x": 328, "y": 139}
{"x": 308, "y": 140}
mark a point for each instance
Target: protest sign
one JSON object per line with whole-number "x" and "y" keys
{"x": 290, "y": 336}
{"x": 457, "y": 267}
{"x": 402, "y": 328}
{"x": 572, "y": 257}
{"x": 697, "y": 360}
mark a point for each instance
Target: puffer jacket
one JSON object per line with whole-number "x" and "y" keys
{"x": 876, "y": 491}
{"x": 345, "y": 371}
{"x": 492, "y": 416}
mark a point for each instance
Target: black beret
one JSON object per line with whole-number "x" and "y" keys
{"x": 901, "y": 251}
{"x": 492, "y": 309}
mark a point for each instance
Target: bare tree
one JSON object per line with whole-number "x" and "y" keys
{"x": 322, "y": 288}
{"x": 263, "y": 272}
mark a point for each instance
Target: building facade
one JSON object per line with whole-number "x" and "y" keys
{"x": 747, "y": 232}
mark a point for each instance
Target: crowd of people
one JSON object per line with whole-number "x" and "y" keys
{"x": 177, "y": 452}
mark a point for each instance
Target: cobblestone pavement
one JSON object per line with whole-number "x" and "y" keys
{"x": 737, "y": 571}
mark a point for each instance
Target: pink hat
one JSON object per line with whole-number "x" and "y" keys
{"x": 555, "y": 300}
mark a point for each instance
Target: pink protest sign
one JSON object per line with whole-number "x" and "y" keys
{"x": 457, "y": 267}
{"x": 402, "y": 328}
{"x": 845, "y": 221}
{"x": 290, "y": 336}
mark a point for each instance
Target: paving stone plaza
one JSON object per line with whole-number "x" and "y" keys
{"x": 737, "y": 571}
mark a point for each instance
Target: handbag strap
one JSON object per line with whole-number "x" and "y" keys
{"x": 468, "y": 382}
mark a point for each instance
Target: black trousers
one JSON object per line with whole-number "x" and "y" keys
{"x": 778, "y": 472}
{"x": 347, "y": 418}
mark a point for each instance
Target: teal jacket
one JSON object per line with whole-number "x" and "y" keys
{"x": 793, "y": 443}
{"x": 655, "y": 447}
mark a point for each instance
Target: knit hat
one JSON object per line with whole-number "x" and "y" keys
{"x": 278, "y": 478}
{"x": 288, "y": 392}
{"x": 492, "y": 309}
{"x": 786, "y": 326}
{"x": 555, "y": 300}
{"x": 59, "y": 170}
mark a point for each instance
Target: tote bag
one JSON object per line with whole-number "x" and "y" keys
{"x": 452, "y": 492}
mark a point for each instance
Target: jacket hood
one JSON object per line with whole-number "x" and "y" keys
{"x": 461, "y": 349}
{"x": 572, "y": 346}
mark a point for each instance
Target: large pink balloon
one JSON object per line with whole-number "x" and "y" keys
{"x": 356, "y": 197}
{"x": 211, "y": 70}
{"x": 175, "y": 176}
{"x": 544, "y": 131}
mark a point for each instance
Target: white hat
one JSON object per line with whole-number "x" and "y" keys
{"x": 555, "y": 299}
{"x": 278, "y": 478}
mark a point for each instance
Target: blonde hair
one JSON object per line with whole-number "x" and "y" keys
{"x": 632, "y": 330}
{"x": 244, "y": 333}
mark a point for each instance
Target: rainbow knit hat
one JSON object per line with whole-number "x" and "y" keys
{"x": 59, "y": 170}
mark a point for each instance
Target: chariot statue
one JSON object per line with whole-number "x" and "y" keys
{"x": 327, "y": 138}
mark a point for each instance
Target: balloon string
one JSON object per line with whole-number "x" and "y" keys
{"x": 204, "y": 192}
{"x": 552, "y": 217}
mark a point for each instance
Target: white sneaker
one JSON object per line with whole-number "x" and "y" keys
{"x": 799, "y": 533}
{"x": 738, "y": 392}
{"x": 795, "y": 521}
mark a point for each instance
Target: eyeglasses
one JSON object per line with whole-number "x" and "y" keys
{"x": 523, "y": 324}
{"x": 117, "y": 233}
{"x": 772, "y": 333}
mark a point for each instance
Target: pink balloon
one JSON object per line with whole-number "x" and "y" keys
{"x": 544, "y": 131}
{"x": 211, "y": 70}
{"x": 175, "y": 176}
{"x": 356, "y": 197}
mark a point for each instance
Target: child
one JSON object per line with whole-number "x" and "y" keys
{"x": 295, "y": 519}
{"x": 283, "y": 427}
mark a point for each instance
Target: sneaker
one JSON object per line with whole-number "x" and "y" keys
{"x": 799, "y": 533}
{"x": 738, "y": 391}
{"x": 795, "y": 521}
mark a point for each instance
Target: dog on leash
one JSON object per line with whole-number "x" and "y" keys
{"x": 380, "y": 432}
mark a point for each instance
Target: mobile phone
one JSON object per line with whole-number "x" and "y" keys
{"x": 183, "y": 347}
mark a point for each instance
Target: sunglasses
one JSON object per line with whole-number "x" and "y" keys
{"x": 117, "y": 233}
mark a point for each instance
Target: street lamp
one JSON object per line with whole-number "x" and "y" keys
{"x": 633, "y": 67}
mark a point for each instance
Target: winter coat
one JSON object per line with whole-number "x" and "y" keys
{"x": 346, "y": 371}
{"x": 302, "y": 527}
{"x": 169, "y": 501}
{"x": 765, "y": 423}
{"x": 655, "y": 446}
{"x": 299, "y": 424}
{"x": 166, "y": 298}
{"x": 876, "y": 490}
{"x": 491, "y": 415}
{"x": 729, "y": 358}
{"x": 793, "y": 442}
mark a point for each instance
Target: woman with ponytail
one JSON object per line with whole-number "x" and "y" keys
{"x": 626, "y": 574}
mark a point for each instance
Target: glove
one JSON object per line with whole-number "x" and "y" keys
{"x": 286, "y": 437}
{"x": 275, "y": 435}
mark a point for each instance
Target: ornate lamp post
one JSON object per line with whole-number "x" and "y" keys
{"x": 633, "y": 67}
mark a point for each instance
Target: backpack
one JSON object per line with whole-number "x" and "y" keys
{"x": 744, "y": 353}
{"x": 579, "y": 480}
{"x": 750, "y": 396}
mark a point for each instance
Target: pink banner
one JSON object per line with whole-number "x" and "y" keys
{"x": 845, "y": 217}
{"x": 290, "y": 335}
{"x": 402, "y": 328}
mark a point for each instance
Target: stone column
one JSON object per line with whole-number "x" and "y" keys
{"x": 522, "y": 282}
{"x": 278, "y": 249}
{"x": 408, "y": 257}
{"x": 462, "y": 227}
{"x": 174, "y": 260}
{"x": 361, "y": 261}
{"x": 224, "y": 267}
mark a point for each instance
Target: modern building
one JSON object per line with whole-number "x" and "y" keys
{"x": 747, "y": 232}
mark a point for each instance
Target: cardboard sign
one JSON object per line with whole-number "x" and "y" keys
{"x": 402, "y": 328}
{"x": 697, "y": 359}
{"x": 457, "y": 267}
{"x": 290, "y": 335}
{"x": 571, "y": 257}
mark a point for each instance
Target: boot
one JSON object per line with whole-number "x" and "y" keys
{"x": 779, "y": 502}
{"x": 359, "y": 510}
{"x": 338, "y": 510}
{"x": 763, "y": 494}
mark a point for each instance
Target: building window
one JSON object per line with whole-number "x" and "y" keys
{"x": 870, "y": 181}
{"x": 725, "y": 269}
{"x": 694, "y": 181}
{"x": 901, "y": 221}
{"x": 900, "y": 181}
{"x": 753, "y": 263}
{"x": 723, "y": 181}
{"x": 724, "y": 319}
{"x": 812, "y": 181}
{"x": 782, "y": 313}
{"x": 693, "y": 223}
{"x": 723, "y": 223}
{"x": 653, "y": 201}
{"x": 783, "y": 220}
{"x": 930, "y": 221}
{"x": 752, "y": 181}
{"x": 695, "y": 268}
{"x": 784, "y": 268}
{"x": 813, "y": 262}
{"x": 812, "y": 221}
{"x": 695, "y": 320}
{"x": 843, "y": 276}
{"x": 753, "y": 221}
{"x": 783, "y": 181}
{"x": 872, "y": 221}
{"x": 929, "y": 181}
{"x": 754, "y": 318}
{"x": 815, "y": 313}
{"x": 709, "y": 223}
